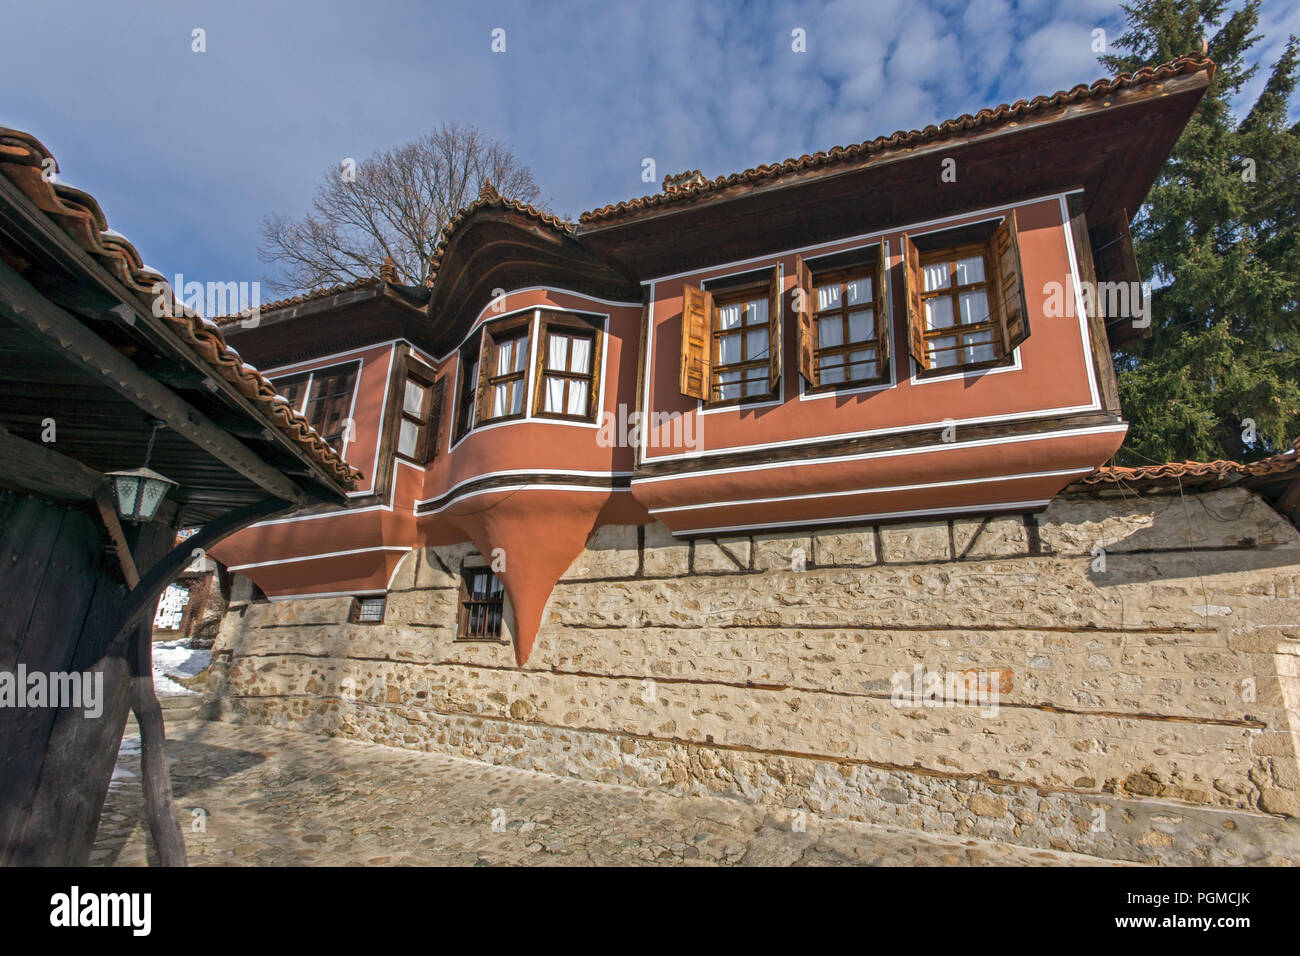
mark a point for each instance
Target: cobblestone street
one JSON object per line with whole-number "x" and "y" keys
{"x": 275, "y": 797}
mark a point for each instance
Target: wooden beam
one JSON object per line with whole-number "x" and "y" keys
{"x": 67, "y": 336}
{"x": 42, "y": 471}
{"x": 144, "y": 597}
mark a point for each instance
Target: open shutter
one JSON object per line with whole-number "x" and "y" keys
{"x": 774, "y": 341}
{"x": 483, "y": 401}
{"x": 803, "y": 313}
{"x": 915, "y": 313}
{"x": 433, "y": 426}
{"x": 884, "y": 327}
{"x": 1011, "y": 286}
{"x": 697, "y": 323}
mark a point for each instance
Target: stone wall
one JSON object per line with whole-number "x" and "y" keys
{"x": 1146, "y": 652}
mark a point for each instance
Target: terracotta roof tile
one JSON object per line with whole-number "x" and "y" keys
{"x": 1199, "y": 472}
{"x": 78, "y": 214}
{"x": 365, "y": 282}
{"x": 966, "y": 123}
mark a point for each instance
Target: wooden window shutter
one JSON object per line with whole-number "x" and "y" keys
{"x": 1114, "y": 261}
{"x": 1011, "y": 286}
{"x": 482, "y": 402}
{"x": 803, "y": 313}
{"x": 915, "y": 312}
{"x": 433, "y": 425}
{"x": 775, "y": 344}
{"x": 697, "y": 323}
{"x": 884, "y": 329}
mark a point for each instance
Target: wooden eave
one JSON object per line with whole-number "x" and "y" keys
{"x": 501, "y": 248}
{"x": 1111, "y": 147}
{"x": 246, "y": 458}
{"x": 330, "y": 324}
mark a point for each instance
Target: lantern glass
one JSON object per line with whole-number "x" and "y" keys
{"x": 139, "y": 492}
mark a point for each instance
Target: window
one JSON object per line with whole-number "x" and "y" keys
{"x": 731, "y": 339}
{"x": 324, "y": 397}
{"x": 965, "y": 297}
{"x": 421, "y": 418}
{"x": 504, "y": 372}
{"x": 843, "y": 317}
{"x": 956, "y": 297}
{"x": 482, "y": 605}
{"x": 370, "y": 610}
{"x": 465, "y": 413}
{"x": 568, "y": 368}
{"x": 740, "y": 347}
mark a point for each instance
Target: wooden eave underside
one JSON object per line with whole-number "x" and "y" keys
{"x": 96, "y": 424}
{"x": 1112, "y": 149}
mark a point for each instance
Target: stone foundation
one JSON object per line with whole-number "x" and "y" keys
{"x": 1146, "y": 652}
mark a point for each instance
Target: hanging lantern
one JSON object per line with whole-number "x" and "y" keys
{"x": 138, "y": 493}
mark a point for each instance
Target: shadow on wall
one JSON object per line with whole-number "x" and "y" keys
{"x": 1134, "y": 540}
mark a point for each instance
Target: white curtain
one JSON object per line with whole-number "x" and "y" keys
{"x": 555, "y": 395}
{"x": 581, "y": 359}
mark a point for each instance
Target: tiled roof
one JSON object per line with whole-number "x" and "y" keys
{"x": 78, "y": 214}
{"x": 1199, "y": 472}
{"x": 983, "y": 120}
{"x": 365, "y": 282}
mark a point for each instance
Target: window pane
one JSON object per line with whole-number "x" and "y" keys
{"x": 756, "y": 343}
{"x": 413, "y": 404}
{"x": 862, "y": 326}
{"x": 938, "y": 313}
{"x": 830, "y": 371}
{"x": 581, "y": 358}
{"x": 983, "y": 347}
{"x": 830, "y": 332}
{"x": 577, "y": 398}
{"x": 728, "y": 349}
{"x": 408, "y": 438}
{"x": 943, "y": 359}
{"x": 859, "y": 291}
{"x": 500, "y": 399}
{"x": 729, "y": 316}
{"x": 554, "y": 395}
{"x": 503, "y": 357}
{"x": 516, "y": 397}
{"x": 520, "y": 353}
{"x": 862, "y": 370}
{"x": 828, "y": 297}
{"x": 935, "y": 276}
{"x": 974, "y": 307}
{"x": 756, "y": 312}
{"x": 557, "y": 352}
{"x": 970, "y": 270}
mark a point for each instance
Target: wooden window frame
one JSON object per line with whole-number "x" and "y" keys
{"x": 466, "y": 603}
{"x": 493, "y": 336}
{"x": 716, "y": 334}
{"x": 467, "y": 391}
{"x": 991, "y": 324}
{"x": 880, "y": 319}
{"x": 577, "y": 326}
{"x": 307, "y": 397}
{"x": 426, "y": 437}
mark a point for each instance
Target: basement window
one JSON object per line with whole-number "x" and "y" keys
{"x": 370, "y": 610}
{"x": 482, "y": 606}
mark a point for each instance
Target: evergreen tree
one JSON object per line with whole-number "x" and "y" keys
{"x": 1219, "y": 239}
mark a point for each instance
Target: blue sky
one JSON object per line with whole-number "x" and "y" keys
{"x": 186, "y": 152}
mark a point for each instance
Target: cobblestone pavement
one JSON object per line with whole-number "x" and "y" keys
{"x": 277, "y": 797}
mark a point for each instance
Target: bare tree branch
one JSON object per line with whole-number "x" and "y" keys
{"x": 396, "y": 207}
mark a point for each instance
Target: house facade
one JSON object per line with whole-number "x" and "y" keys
{"x": 674, "y": 494}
